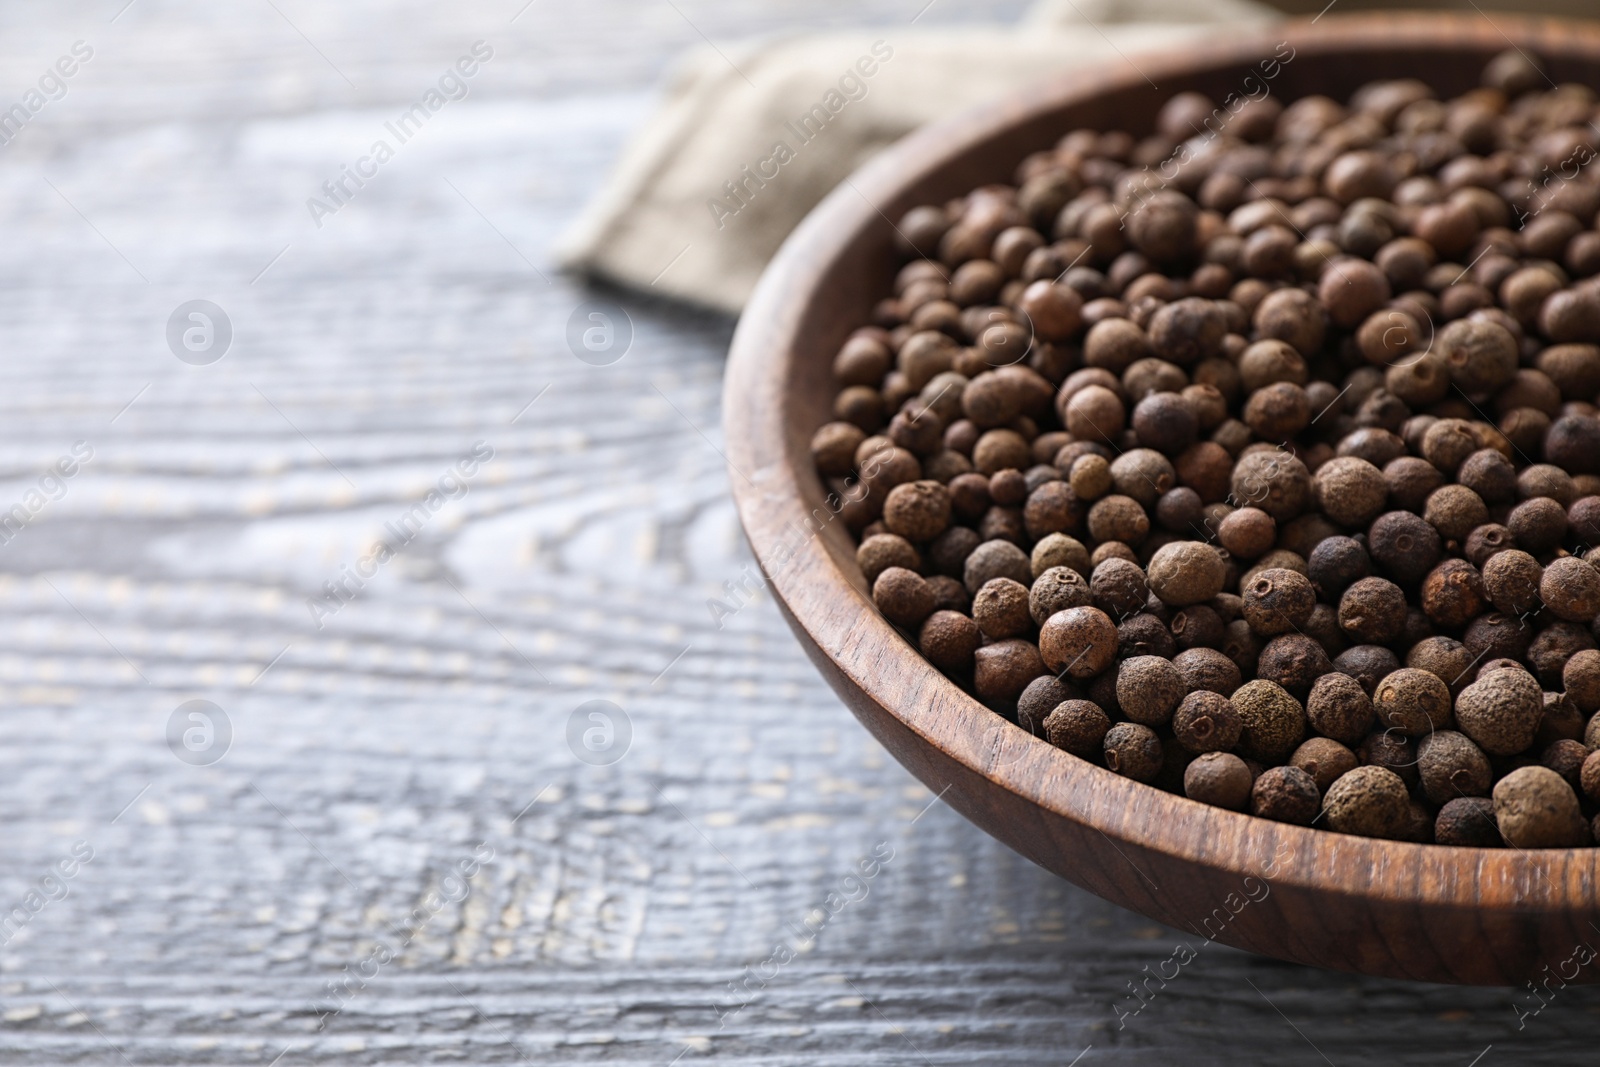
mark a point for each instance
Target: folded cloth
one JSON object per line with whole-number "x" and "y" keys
{"x": 748, "y": 138}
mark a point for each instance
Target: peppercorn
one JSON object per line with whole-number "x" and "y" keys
{"x": 1370, "y": 801}
{"x": 1455, "y": 511}
{"x": 1077, "y": 726}
{"x": 1197, "y": 626}
{"x": 1453, "y": 593}
{"x": 1485, "y": 542}
{"x": 1589, "y": 776}
{"x": 1285, "y": 794}
{"x": 1118, "y": 587}
{"x": 1451, "y": 765}
{"x": 1538, "y": 524}
{"x": 1148, "y": 689}
{"x": 1501, "y": 711}
{"x": 1573, "y": 441}
{"x": 1001, "y": 609}
{"x": 1133, "y": 751}
{"x": 903, "y": 596}
{"x": 1536, "y": 808}
{"x": 1581, "y": 680}
{"x": 1403, "y": 545}
{"x": 1295, "y": 661}
{"x": 1566, "y": 758}
{"x": 1001, "y": 671}
{"x": 1272, "y": 722}
{"x": 949, "y": 594}
{"x": 1220, "y": 779}
{"x": 1410, "y": 481}
{"x": 917, "y": 511}
{"x": 995, "y": 559}
{"x": 1276, "y": 482}
{"x": 1350, "y": 491}
{"x": 1186, "y": 572}
{"x": 1277, "y": 601}
{"x": 1571, "y": 589}
{"x": 949, "y": 639}
{"x": 1373, "y": 611}
{"x": 1080, "y": 642}
{"x": 1413, "y": 701}
{"x": 1468, "y": 822}
{"x": 1059, "y": 550}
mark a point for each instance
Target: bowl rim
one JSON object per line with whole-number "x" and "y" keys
{"x": 769, "y": 468}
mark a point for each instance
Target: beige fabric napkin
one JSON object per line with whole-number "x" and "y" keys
{"x": 749, "y": 137}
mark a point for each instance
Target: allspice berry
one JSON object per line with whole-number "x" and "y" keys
{"x": 1324, "y": 759}
{"x": 1247, "y": 532}
{"x": 1453, "y": 594}
{"x": 879, "y": 552}
{"x": 1132, "y": 751}
{"x": 1118, "y": 587}
{"x": 1057, "y": 589}
{"x": 1206, "y": 722}
{"x": 1350, "y": 491}
{"x": 1404, "y": 545}
{"x": 1277, "y": 601}
{"x": 1218, "y": 778}
{"x": 1285, "y": 794}
{"x": 949, "y": 639}
{"x": 1468, "y": 822}
{"x": 1186, "y": 572}
{"x": 1208, "y": 670}
{"x": 1371, "y": 801}
{"x": 1001, "y": 671}
{"x": 1581, "y": 680}
{"x": 1272, "y": 723}
{"x": 1339, "y": 708}
{"x": 1501, "y": 711}
{"x": 995, "y": 559}
{"x": 1511, "y": 580}
{"x": 918, "y": 511}
{"x": 1412, "y": 701}
{"x": 1570, "y": 588}
{"x": 903, "y": 596}
{"x": 1001, "y": 609}
{"x": 1080, "y": 642}
{"x": 1451, "y": 766}
{"x": 1148, "y": 689}
{"x": 1535, "y": 808}
{"x": 1373, "y": 611}
{"x": 1079, "y": 727}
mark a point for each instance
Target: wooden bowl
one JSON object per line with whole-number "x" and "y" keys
{"x": 1481, "y": 916}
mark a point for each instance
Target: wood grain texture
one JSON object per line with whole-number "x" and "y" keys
{"x": 1493, "y": 917}
{"x": 378, "y": 752}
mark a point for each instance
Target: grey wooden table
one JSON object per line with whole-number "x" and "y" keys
{"x": 299, "y": 899}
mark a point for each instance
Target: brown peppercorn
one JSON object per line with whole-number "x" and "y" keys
{"x": 879, "y": 552}
{"x": 1278, "y": 411}
{"x": 1335, "y": 563}
{"x": 1468, "y": 822}
{"x": 1220, "y": 779}
{"x": 1277, "y": 601}
{"x": 1369, "y": 801}
{"x": 998, "y": 449}
{"x": 1501, "y": 711}
{"x": 1285, "y": 794}
{"x": 1392, "y": 750}
{"x": 1411, "y": 481}
{"x": 1339, "y": 709}
{"x": 1324, "y": 759}
{"x": 1415, "y": 702}
{"x": 1001, "y": 671}
{"x": 1485, "y": 542}
{"x": 1090, "y": 477}
{"x": 903, "y": 596}
{"x": 1008, "y": 488}
{"x": 1566, "y": 758}
{"x": 1447, "y": 444}
{"x": 1571, "y": 589}
{"x": 1403, "y": 545}
{"x": 1163, "y": 421}
{"x": 1554, "y": 645}
{"x": 1350, "y": 491}
{"x": 1148, "y": 689}
{"x": 1000, "y": 609}
{"x": 1535, "y": 808}
{"x": 1057, "y": 589}
{"x": 949, "y": 594}
{"x": 1373, "y": 611}
{"x": 1095, "y": 413}
{"x": 1118, "y": 587}
{"x": 1497, "y": 636}
{"x": 1538, "y": 525}
{"x": 949, "y": 551}
{"x": 1209, "y": 670}
{"x": 1581, "y": 680}
{"x": 1455, "y": 511}
{"x": 917, "y": 511}
{"x": 1446, "y": 659}
{"x": 1589, "y": 776}
{"x": 1133, "y": 751}
{"x": 1118, "y": 518}
{"x": 1186, "y": 572}
{"x": 1481, "y": 355}
{"x": 1272, "y": 722}
{"x": 1052, "y": 507}
{"x": 1079, "y": 727}
{"x": 1197, "y": 626}
{"x": 1040, "y": 698}
{"x": 1059, "y": 550}
{"x": 1274, "y": 481}
{"x": 1453, "y": 593}
{"x": 948, "y": 640}
{"x": 1451, "y": 765}
{"x": 1247, "y": 532}
{"x": 1291, "y": 315}
{"x": 1511, "y": 580}
{"x": 995, "y": 559}
{"x": 1144, "y": 635}
{"x": 1206, "y": 721}
{"x": 1079, "y": 642}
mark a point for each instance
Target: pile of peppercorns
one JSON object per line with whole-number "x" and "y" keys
{"x": 1258, "y": 459}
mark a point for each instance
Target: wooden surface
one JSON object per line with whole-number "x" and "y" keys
{"x": 1393, "y": 909}
{"x": 376, "y": 754}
